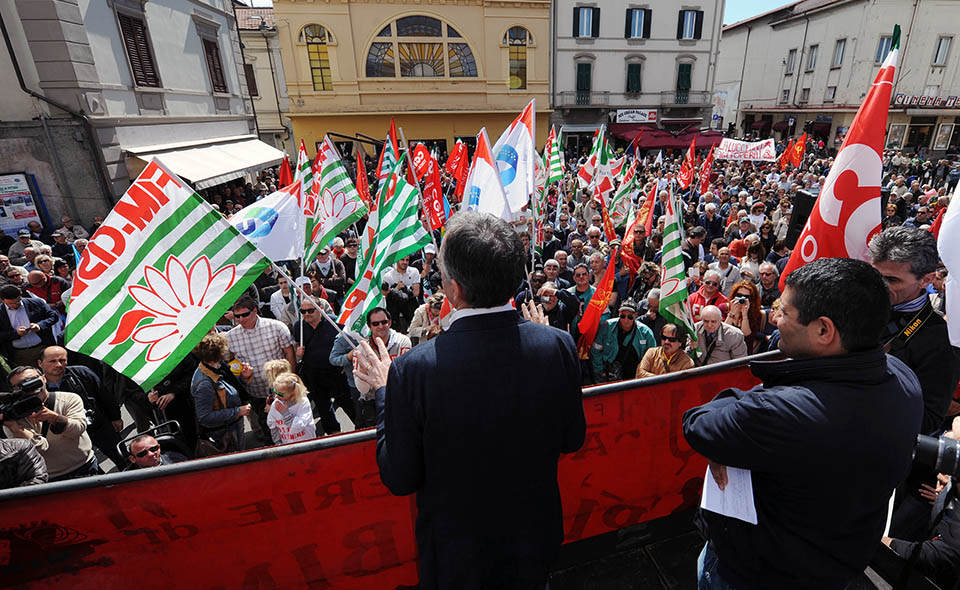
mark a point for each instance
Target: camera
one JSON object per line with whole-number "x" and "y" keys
{"x": 17, "y": 405}
{"x": 31, "y": 385}
{"x": 942, "y": 454}
{"x": 741, "y": 300}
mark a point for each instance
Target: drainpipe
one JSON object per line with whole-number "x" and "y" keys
{"x": 243, "y": 60}
{"x": 743, "y": 69}
{"x": 904, "y": 43}
{"x": 799, "y": 64}
{"x": 100, "y": 164}
{"x": 273, "y": 78}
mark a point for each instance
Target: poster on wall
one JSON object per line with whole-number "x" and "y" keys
{"x": 895, "y": 136}
{"x": 942, "y": 139}
{"x": 732, "y": 149}
{"x": 18, "y": 205}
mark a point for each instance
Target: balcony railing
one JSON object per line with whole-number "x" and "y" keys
{"x": 583, "y": 98}
{"x": 684, "y": 98}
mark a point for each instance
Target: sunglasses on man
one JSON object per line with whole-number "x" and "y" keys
{"x": 664, "y": 337}
{"x": 241, "y": 315}
{"x": 147, "y": 451}
{"x": 380, "y": 323}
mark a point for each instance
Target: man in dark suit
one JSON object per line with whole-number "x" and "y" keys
{"x": 26, "y": 327}
{"x": 474, "y": 421}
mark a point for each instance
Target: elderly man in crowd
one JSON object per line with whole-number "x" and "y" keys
{"x": 71, "y": 230}
{"x": 254, "y": 341}
{"x": 58, "y": 430}
{"x": 669, "y": 357}
{"x": 24, "y": 241}
{"x": 718, "y": 341}
{"x": 551, "y": 268}
{"x": 769, "y": 284}
{"x": 620, "y": 344}
{"x": 708, "y": 294}
{"x": 729, "y": 273}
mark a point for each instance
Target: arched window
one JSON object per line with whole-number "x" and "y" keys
{"x": 420, "y": 47}
{"x": 517, "y": 39}
{"x": 316, "y": 37}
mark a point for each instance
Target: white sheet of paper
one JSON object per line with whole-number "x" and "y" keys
{"x": 735, "y": 500}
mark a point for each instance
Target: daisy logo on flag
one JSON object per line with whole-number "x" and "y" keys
{"x": 176, "y": 299}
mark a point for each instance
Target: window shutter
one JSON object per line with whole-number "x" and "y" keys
{"x": 698, "y": 29}
{"x": 212, "y": 53}
{"x": 134, "y": 32}
{"x": 680, "y": 25}
{"x": 629, "y": 25}
{"x": 576, "y": 21}
{"x": 596, "y": 23}
{"x": 647, "y": 17}
{"x": 251, "y": 77}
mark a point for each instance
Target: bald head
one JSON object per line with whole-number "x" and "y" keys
{"x": 711, "y": 317}
{"x": 36, "y": 278}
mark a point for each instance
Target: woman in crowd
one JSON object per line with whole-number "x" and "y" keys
{"x": 767, "y": 236}
{"x": 290, "y": 418}
{"x": 62, "y": 269}
{"x": 219, "y": 409}
{"x": 745, "y": 313}
{"x": 426, "y": 320}
{"x": 750, "y": 265}
{"x": 891, "y": 219}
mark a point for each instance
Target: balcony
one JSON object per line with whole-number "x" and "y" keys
{"x": 685, "y": 98}
{"x": 583, "y": 98}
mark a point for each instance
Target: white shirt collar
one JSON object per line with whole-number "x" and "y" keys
{"x": 472, "y": 311}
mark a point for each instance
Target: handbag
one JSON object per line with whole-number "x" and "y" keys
{"x": 208, "y": 447}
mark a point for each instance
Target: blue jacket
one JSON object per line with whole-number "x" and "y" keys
{"x": 39, "y": 313}
{"x": 606, "y": 346}
{"x": 474, "y": 422}
{"x": 204, "y": 388}
{"x": 827, "y": 440}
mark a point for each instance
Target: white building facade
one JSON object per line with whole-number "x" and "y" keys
{"x": 623, "y": 61}
{"x": 118, "y": 82}
{"x": 810, "y": 64}
{"x": 263, "y": 70}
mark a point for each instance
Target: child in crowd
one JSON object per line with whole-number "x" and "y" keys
{"x": 290, "y": 418}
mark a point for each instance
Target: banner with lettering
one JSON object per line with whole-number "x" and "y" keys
{"x": 160, "y": 271}
{"x": 733, "y": 149}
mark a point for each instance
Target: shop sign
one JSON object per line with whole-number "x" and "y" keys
{"x": 916, "y": 100}
{"x": 636, "y": 115}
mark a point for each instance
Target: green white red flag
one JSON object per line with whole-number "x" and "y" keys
{"x": 398, "y": 233}
{"x": 847, "y": 211}
{"x": 622, "y": 201}
{"x": 156, "y": 276}
{"x": 304, "y": 173}
{"x": 336, "y": 203}
{"x": 388, "y": 156}
{"x": 674, "y": 301}
{"x": 553, "y": 157}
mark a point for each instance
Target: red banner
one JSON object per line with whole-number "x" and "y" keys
{"x": 421, "y": 155}
{"x": 304, "y": 516}
{"x": 457, "y": 166}
{"x": 433, "y": 193}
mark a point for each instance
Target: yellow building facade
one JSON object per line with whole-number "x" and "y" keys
{"x": 441, "y": 68}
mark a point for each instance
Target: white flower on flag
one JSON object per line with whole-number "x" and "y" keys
{"x": 177, "y": 299}
{"x": 332, "y": 209}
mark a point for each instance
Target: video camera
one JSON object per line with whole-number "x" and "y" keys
{"x": 942, "y": 454}
{"x": 17, "y": 405}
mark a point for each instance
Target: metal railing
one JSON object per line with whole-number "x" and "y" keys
{"x": 684, "y": 97}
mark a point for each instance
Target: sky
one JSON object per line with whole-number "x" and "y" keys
{"x": 736, "y": 10}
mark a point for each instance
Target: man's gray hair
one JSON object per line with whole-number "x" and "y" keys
{"x": 769, "y": 266}
{"x": 597, "y": 255}
{"x": 712, "y": 273}
{"x": 484, "y": 255}
{"x": 655, "y": 293}
{"x": 709, "y": 206}
{"x": 906, "y": 244}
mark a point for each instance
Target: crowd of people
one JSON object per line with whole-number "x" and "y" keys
{"x": 278, "y": 360}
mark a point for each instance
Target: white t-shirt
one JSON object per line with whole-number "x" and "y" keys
{"x": 392, "y": 276}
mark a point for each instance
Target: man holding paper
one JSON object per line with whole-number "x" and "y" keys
{"x": 838, "y": 411}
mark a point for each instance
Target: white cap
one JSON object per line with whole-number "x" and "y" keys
{"x": 430, "y": 249}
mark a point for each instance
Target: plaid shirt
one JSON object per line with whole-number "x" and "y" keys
{"x": 265, "y": 342}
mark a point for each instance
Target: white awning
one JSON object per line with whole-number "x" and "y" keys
{"x": 586, "y": 128}
{"x": 211, "y": 163}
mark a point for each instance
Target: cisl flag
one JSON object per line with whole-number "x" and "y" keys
{"x": 156, "y": 276}
{"x": 516, "y": 155}
{"x": 457, "y": 166}
{"x": 484, "y": 192}
{"x": 847, "y": 212}
{"x": 271, "y": 221}
{"x": 688, "y": 167}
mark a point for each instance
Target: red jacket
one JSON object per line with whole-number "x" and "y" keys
{"x": 51, "y": 292}
{"x": 698, "y": 300}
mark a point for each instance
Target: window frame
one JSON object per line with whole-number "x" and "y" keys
{"x": 639, "y": 78}
{"x": 839, "y": 48}
{"x": 690, "y": 24}
{"x": 883, "y": 45}
{"x": 630, "y": 31}
{"x": 511, "y": 49}
{"x": 591, "y": 25}
{"x": 804, "y": 95}
{"x": 214, "y": 68}
{"x": 326, "y": 75}
{"x": 148, "y": 52}
{"x": 813, "y": 52}
{"x": 946, "y": 53}
{"x": 250, "y": 75}
{"x": 827, "y": 97}
{"x": 791, "y": 61}
{"x": 445, "y": 40}
{"x": 785, "y": 96}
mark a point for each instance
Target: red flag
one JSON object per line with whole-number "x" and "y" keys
{"x": 432, "y": 192}
{"x": 598, "y": 303}
{"x": 286, "y": 174}
{"x": 633, "y": 144}
{"x": 689, "y": 165}
{"x": 421, "y": 156}
{"x": 935, "y": 226}
{"x": 628, "y": 253}
{"x": 847, "y": 211}
{"x": 796, "y": 154}
{"x": 607, "y": 223}
{"x": 645, "y": 215}
{"x": 785, "y": 157}
{"x": 457, "y": 166}
{"x": 705, "y": 172}
{"x": 362, "y": 184}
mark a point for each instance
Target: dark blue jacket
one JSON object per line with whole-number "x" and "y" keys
{"x": 39, "y": 313}
{"x": 474, "y": 422}
{"x": 827, "y": 440}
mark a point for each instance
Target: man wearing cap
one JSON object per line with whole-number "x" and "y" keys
{"x": 620, "y": 344}
{"x": 71, "y": 230}
{"x": 61, "y": 249}
{"x": 351, "y": 253}
{"x": 427, "y": 267}
{"x": 24, "y": 241}
{"x": 330, "y": 273}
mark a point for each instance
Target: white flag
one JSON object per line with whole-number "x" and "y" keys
{"x": 948, "y": 245}
{"x": 272, "y": 224}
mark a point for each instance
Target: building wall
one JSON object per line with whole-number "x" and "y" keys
{"x": 610, "y": 53}
{"x": 440, "y": 108}
{"x": 263, "y": 54}
{"x": 861, "y": 23}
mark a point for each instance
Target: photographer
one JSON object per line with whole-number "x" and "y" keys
{"x": 58, "y": 429}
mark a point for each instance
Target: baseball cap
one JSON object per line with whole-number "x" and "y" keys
{"x": 429, "y": 249}
{"x": 323, "y": 250}
{"x": 23, "y": 232}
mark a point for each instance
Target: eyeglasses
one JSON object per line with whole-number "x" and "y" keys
{"x": 145, "y": 452}
{"x": 627, "y": 316}
{"x": 711, "y": 283}
{"x": 278, "y": 393}
{"x": 380, "y": 323}
{"x": 241, "y": 315}
{"x": 765, "y": 273}
{"x": 579, "y": 274}
{"x": 664, "y": 337}
{"x": 309, "y": 310}
{"x": 746, "y": 295}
